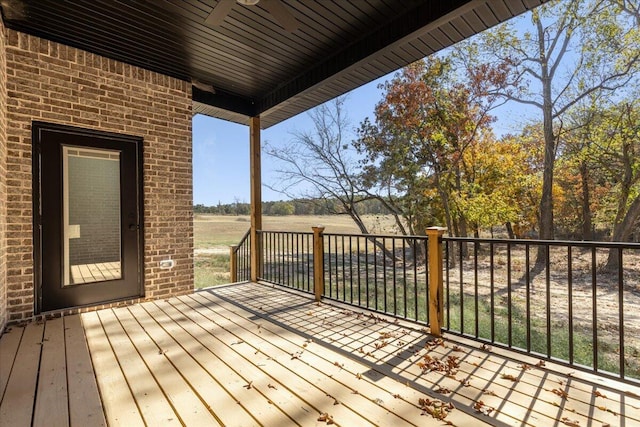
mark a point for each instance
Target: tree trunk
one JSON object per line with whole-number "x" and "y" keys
{"x": 546, "y": 201}
{"x": 622, "y": 231}
{"x": 510, "y": 230}
{"x": 586, "y": 203}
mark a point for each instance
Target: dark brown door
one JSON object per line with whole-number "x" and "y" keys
{"x": 88, "y": 233}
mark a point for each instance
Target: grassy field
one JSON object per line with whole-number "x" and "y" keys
{"x": 213, "y": 234}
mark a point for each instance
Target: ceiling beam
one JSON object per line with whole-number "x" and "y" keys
{"x": 411, "y": 24}
{"x": 225, "y": 101}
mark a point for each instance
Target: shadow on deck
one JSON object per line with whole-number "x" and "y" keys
{"x": 254, "y": 354}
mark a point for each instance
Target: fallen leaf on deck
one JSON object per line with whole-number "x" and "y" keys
{"x": 569, "y": 422}
{"x": 272, "y": 386}
{"x": 359, "y": 376}
{"x": 540, "y": 363}
{"x": 479, "y": 406}
{"x": 465, "y": 382}
{"x": 489, "y": 392}
{"x": 397, "y": 396}
{"x": 598, "y": 394}
{"x": 457, "y": 348}
{"x": 339, "y": 365}
{"x": 524, "y": 367}
{"x": 381, "y": 344}
{"x": 436, "y": 408}
{"x": 485, "y": 347}
{"x": 324, "y": 417}
{"x": 560, "y": 393}
{"x": 509, "y": 377}
{"x": 248, "y": 386}
{"x": 442, "y": 390}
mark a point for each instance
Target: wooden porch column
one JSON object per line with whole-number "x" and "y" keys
{"x": 318, "y": 262}
{"x": 436, "y": 288}
{"x": 256, "y": 198}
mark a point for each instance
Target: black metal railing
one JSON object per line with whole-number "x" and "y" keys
{"x": 287, "y": 259}
{"x": 573, "y": 302}
{"x": 382, "y": 273}
{"x": 242, "y": 255}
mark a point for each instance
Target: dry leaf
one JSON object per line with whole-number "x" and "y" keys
{"x": 339, "y": 365}
{"x": 324, "y": 417}
{"x": 489, "y": 392}
{"x": 485, "y": 347}
{"x": 509, "y": 377}
{"x": 570, "y": 423}
{"x": 457, "y": 348}
{"x": 436, "y": 408}
{"x": 397, "y": 396}
{"x": 442, "y": 390}
{"x": 524, "y": 367}
{"x": 598, "y": 394}
{"x": 272, "y": 386}
{"x": 540, "y": 363}
{"x": 465, "y": 382}
{"x": 560, "y": 393}
{"x": 359, "y": 376}
{"x": 479, "y": 406}
{"x": 248, "y": 386}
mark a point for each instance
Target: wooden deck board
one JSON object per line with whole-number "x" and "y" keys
{"x": 16, "y": 408}
{"x": 251, "y": 354}
{"x": 119, "y": 405}
{"x": 85, "y": 406}
{"x": 9, "y": 344}
{"x": 136, "y": 361}
{"x": 184, "y": 399}
{"x": 383, "y": 401}
{"x": 51, "y": 397}
{"x": 294, "y": 394}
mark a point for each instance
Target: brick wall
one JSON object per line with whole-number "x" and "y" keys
{"x": 54, "y": 83}
{"x": 3, "y": 179}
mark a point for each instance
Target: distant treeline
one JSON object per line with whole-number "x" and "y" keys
{"x": 291, "y": 207}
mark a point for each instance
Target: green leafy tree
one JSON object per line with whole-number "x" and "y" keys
{"x": 576, "y": 50}
{"x": 428, "y": 117}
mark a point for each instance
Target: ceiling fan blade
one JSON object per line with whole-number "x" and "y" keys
{"x": 219, "y": 12}
{"x": 281, "y": 14}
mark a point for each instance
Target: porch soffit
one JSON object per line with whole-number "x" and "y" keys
{"x": 254, "y": 65}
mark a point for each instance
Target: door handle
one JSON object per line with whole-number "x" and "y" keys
{"x": 134, "y": 227}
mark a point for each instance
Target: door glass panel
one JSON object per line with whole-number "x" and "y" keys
{"x": 91, "y": 215}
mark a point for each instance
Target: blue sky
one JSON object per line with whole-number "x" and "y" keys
{"x": 221, "y": 149}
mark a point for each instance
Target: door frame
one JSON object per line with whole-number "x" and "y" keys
{"x": 36, "y": 130}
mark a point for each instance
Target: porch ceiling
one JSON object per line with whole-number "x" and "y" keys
{"x": 255, "y": 66}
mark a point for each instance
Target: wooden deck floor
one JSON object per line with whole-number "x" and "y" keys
{"x": 247, "y": 354}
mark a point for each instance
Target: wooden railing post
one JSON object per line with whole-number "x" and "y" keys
{"x": 256, "y": 199}
{"x": 318, "y": 262}
{"x": 436, "y": 288}
{"x": 233, "y": 263}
